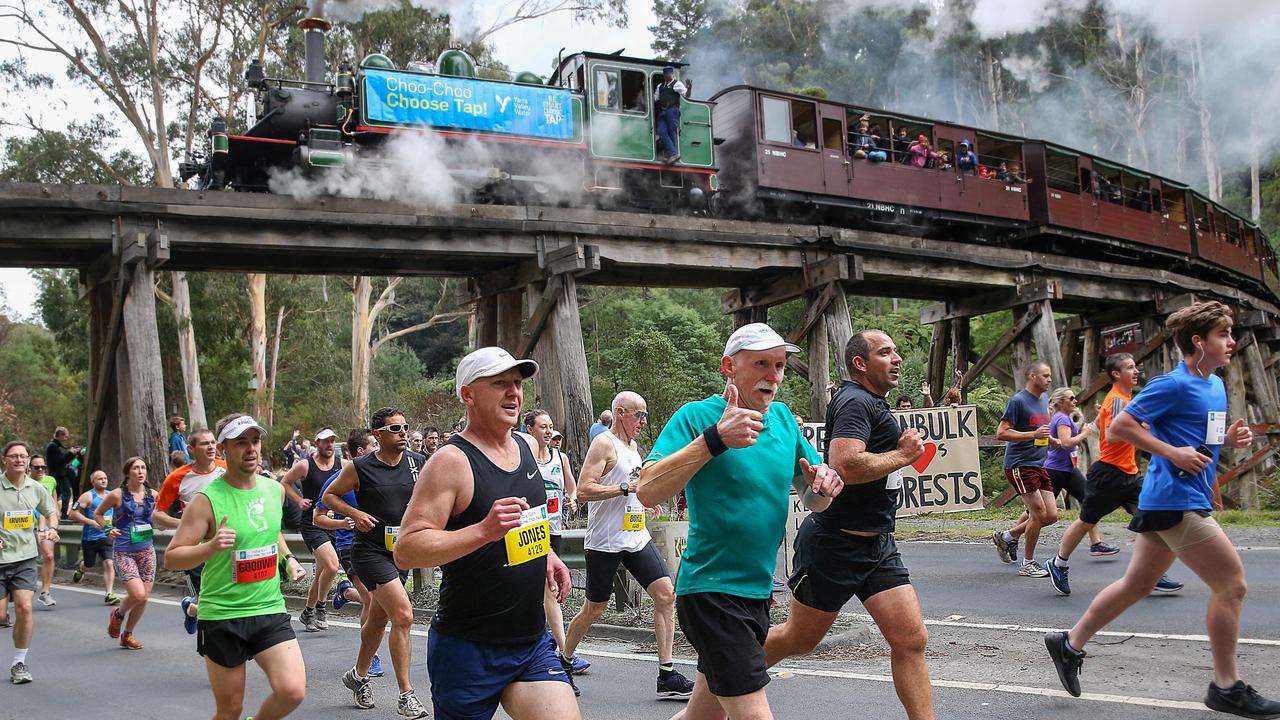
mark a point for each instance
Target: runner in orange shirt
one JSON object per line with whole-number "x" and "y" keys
{"x": 179, "y": 488}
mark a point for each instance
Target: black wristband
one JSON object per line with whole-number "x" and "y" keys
{"x": 714, "y": 443}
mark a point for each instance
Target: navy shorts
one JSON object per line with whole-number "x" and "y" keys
{"x": 468, "y": 678}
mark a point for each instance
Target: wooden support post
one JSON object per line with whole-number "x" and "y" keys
{"x": 1047, "y": 348}
{"x": 562, "y": 385}
{"x": 1243, "y": 489}
{"x": 1155, "y": 363}
{"x": 103, "y": 440}
{"x": 1010, "y": 338}
{"x": 959, "y": 354}
{"x": 510, "y": 317}
{"x": 839, "y": 331}
{"x": 819, "y": 370}
{"x": 1001, "y": 375}
{"x": 1261, "y": 382}
{"x": 1089, "y": 367}
{"x": 939, "y": 346}
{"x": 1068, "y": 345}
{"x": 1020, "y": 356}
{"x": 746, "y": 316}
{"x": 486, "y": 315}
{"x": 139, "y": 375}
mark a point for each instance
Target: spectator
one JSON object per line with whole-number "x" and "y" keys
{"x": 556, "y": 438}
{"x": 944, "y": 159}
{"x": 866, "y": 142}
{"x": 1011, "y": 172}
{"x": 967, "y": 159}
{"x": 902, "y": 146}
{"x": 904, "y": 403}
{"x": 60, "y": 457}
{"x": 1142, "y": 198}
{"x": 601, "y": 425}
{"x": 986, "y": 173}
{"x": 921, "y": 153}
{"x": 292, "y": 450}
{"x": 178, "y": 438}
{"x": 177, "y": 459}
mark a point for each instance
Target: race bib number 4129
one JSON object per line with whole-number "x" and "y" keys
{"x": 532, "y": 539}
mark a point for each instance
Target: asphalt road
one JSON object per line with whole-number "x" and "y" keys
{"x": 79, "y": 672}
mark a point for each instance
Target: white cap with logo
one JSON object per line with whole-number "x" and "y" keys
{"x": 487, "y": 362}
{"x": 326, "y": 433}
{"x": 756, "y": 336}
{"x": 238, "y": 427}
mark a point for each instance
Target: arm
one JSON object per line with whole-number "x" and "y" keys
{"x": 296, "y": 473}
{"x": 570, "y": 485}
{"x": 165, "y": 500}
{"x": 664, "y": 478}
{"x": 77, "y": 514}
{"x": 48, "y": 515}
{"x": 1126, "y": 428}
{"x": 1006, "y": 433}
{"x": 320, "y": 518}
{"x": 440, "y": 490}
{"x": 1067, "y": 440}
{"x": 856, "y": 466}
{"x": 600, "y": 459}
{"x": 348, "y": 481}
{"x": 291, "y": 564}
{"x": 187, "y": 550}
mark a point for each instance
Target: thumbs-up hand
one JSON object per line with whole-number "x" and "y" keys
{"x": 224, "y": 538}
{"x": 739, "y": 427}
{"x": 1239, "y": 435}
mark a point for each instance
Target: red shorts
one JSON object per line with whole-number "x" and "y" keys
{"x": 1025, "y": 480}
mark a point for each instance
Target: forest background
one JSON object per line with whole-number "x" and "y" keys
{"x": 1188, "y": 90}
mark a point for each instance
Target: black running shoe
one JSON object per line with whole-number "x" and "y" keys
{"x": 1242, "y": 700}
{"x": 567, "y": 665}
{"x": 674, "y": 685}
{"x": 1067, "y": 661}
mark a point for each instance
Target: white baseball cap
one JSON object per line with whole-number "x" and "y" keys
{"x": 756, "y": 336}
{"x": 326, "y": 433}
{"x": 487, "y": 362}
{"x": 238, "y": 427}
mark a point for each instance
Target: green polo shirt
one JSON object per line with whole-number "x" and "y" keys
{"x": 17, "y": 518}
{"x": 738, "y": 501}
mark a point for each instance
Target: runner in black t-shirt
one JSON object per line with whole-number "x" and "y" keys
{"x": 481, "y": 515}
{"x": 848, "y": 549}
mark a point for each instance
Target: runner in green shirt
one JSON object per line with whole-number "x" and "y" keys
{"x": 20, "y": 500}
{"x": 233, "y": 527}
{"x": 38, "y": 467}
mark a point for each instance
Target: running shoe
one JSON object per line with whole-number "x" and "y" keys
{"x": 340, "y": 595}
{"x": 1168, "y": 584}
{"x": 1002, "y": 547}
{"x": 46, "y": 599}
{"x": 6, "y": 621}
{"x": 78, "y": 575}
{"x": 188, "y": 623}
{"x": 1067, "y": 661}
{"x": 1241, "y": 699}
{"x": 674, "y": 685}
{"x": 578, "y": 665}
{"x": 308, "y": 620}
{"x": 1058, "y": 576}
{"x": 410, "y": 707}
{"x": 128, "y": 641}
{"x": 322, "y": 618}
{"x": 1100, "y": 549}
{"x": 567, "y": 665}
{"x": 1033, "y": 569}
{"x": 113, "y": 625}
{"x": 19, "y": 674}
{"x": 375, "y": 667}
{"x": 362, "y": 690}
{"x": 111, "y": 599}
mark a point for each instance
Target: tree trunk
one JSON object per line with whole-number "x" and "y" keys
{"x": 187, "y": 352}
{"x": 275, "y": 365}
{"x": 1255, "y": 167}
{"x": 1208, "y": 149}
{"x": 361, "y": 333}
{"x": 258, "y": 340}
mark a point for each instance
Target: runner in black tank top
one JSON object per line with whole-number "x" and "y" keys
{"x": 480, "y": 512}
{"x": 312, "y": 473}
{"x": 383, "y": 482}
{"x": 482, "y": 598}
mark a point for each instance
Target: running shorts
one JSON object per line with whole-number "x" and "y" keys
{"x": 315, "y": 536}
{"x": 375, "y": 567}
{"x": 137, "y": 565}
{"x": 21, "y": 575}
{"x": 231, "y": 643}
{"x": 1107, "y": 489}
{"x": 728, "y": 631}
{"x": 468, "y": 678}
{"x": 833, "y": 566}
{"x": 645, "y": 565}
{"x": 1072, "y": 481}
{"x": 1028, "y": 479}
{"x": 91, "y": 550}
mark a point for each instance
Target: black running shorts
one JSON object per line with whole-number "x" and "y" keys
{"x": 1108, "y": 488}
{"x": 375, "y": 566}
{"x": 315, "y": 536}
{"x": 728, "y": 632}
{"x": 645, "y": 565}
{"x": 232, "y": 643}
{"x": 833, "y": 566}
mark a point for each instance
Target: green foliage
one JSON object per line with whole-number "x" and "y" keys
{"x": 37, "y": 393}
{"x": 77, "y": 155}
{"x": 650, "y": 364}
{"x": 678, "y": 22}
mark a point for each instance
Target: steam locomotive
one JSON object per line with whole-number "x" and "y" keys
{"x": 588, "y": 135}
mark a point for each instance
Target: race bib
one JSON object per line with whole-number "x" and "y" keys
{"x": 553, "y": 504}
{"x": 532, "y": 539}
{"x": 1075, "y": 457}
{"x": 140, "y": 533}
{"x": 1042, "y": 442}
{"x": 894, "y": 480}
{"x": 1215, "y": 428}
{"x": 389, "y": 535}
{"x": 633, "y": 520}
{"x": 254, "y": 565}
{"x": 19, "y": 519}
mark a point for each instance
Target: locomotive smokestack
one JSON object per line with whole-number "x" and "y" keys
{"x": 313, "y": 32}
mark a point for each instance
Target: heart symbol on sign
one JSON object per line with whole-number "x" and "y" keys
{"x": 930, "y": 450}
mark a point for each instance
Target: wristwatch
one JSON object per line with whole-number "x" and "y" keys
{"x": 625, "y": 488}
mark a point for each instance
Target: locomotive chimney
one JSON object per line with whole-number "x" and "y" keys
{"x": 313, "y": 32}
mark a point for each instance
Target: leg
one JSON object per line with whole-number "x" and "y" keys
{"x": 371, "y": 631}
{"x": 753, "y": 706}
{"x": 897, "y": 613}
{"x": 109, "y": 575}
{"x": 395, "y": 604}
{"x": 1151, "y": 559}
{"x": 287, "y": 675}
{"x": 578, "y": 626}
{"x": 23, "y": 621}
{"x": 1074, "y": 534}
{"x": 46, "y": 565}
{"x": 555, "y": 616}
{"x": 139, "y": 591}
{"x": 227, "y": 685}
{"x": 326, "y": 570}
{"x": 1218, "y": 564}
{"x": 1095, "y": 537}
{"x": 703, "y": 705}
{"x": 800, "y": 634}
{"x": 664, "y": 616}
{"x": 1042, "y": 511}
{"x": 549, "y": 700}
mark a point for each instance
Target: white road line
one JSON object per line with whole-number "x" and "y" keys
{"x": 871, "y": 677}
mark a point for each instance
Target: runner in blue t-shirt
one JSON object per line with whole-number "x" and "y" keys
{"x": 1024, "y": 428}
{"x": 360, "y": 441}
{"x": 1185, "y": 419}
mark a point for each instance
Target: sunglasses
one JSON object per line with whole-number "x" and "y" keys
{"x": 640, "y": 414}
{"x": 394, "y": 428}
{"x": 37, "y": 467}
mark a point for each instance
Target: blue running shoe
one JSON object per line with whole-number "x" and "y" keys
{"x": 1168, "y": 584}
{"x": 340, "y": 595}
{"x": 188, "y": 622}
{"x": 375, "y": 667}
{"x": 577, "y": 665}
{"x": 1058, "y": 577}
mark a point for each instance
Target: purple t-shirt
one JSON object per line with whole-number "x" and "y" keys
{"x": 1059, "y": 458}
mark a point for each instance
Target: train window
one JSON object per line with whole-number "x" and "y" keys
{"x": 832, "y": 134}
{"x": 607, "y": 97}
{"x": 1175, "y": 206}
{"x": 994, "y": 151}
{"x": 776, "y": 114}
{"x": 804, "y": 125}
{"x": 1061, "y": 170}
{"x": 635, "y": 96}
